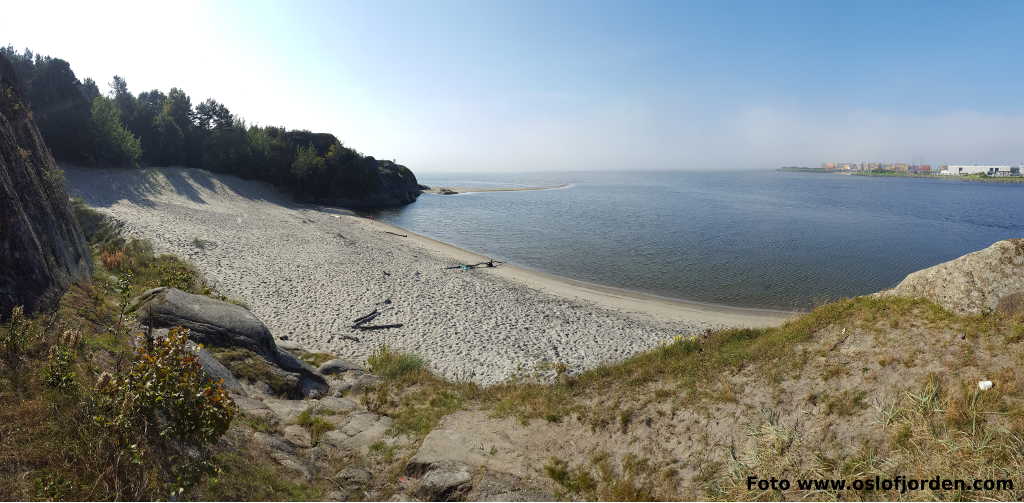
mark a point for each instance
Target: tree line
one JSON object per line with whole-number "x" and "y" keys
{"x": 83, "y": 126}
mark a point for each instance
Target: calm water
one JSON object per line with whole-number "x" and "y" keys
{"x": 756, "y": 239}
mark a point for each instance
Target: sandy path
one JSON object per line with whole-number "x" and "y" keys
{"x": 308, "y": 271}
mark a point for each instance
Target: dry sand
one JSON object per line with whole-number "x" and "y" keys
{"x": 308, "y": 271}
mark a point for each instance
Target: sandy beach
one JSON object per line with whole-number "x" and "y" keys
{"x": 308, "y": 271}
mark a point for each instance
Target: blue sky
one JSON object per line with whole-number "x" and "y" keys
{"x": 481, "y": 86}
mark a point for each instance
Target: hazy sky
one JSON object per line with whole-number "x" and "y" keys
{"x": 517, "y": 85}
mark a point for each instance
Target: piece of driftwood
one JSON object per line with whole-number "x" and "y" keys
{"x": 489, "y": 263}
{"x": 379, "y": 327}
{"x": 362, "y": 320}
{"x": 396, "y": 234}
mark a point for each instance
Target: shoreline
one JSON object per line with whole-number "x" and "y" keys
{"x": 307, "y": 271}
{"x": 630, "y": 302}
{"x": 455, "y": 190}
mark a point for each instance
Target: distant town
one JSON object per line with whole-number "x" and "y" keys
{"x": 897, "y": 168}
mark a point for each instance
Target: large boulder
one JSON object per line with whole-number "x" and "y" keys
{"x": 212, "y": 322}
{"x": 42, "y": 249}
{"x": 225, "y": 326}
{"x": 972, "y": 284}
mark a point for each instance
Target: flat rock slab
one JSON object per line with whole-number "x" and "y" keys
{"x": 337, "y": 404}
{"x": 358, "y": 432}
{"x": 297, "y": 436}
{"x": 286, "y": 410}
{"x": 491, "y": 450}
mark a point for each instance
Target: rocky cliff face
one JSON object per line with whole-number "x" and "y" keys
{"x": 975, "y": 283}
{"x": 397, "y": 186}
{"x": 42, "y": 250}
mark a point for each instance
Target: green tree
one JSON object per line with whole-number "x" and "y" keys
{"x": 115, "y": 145}
{"x": 123, "y": 98}
{"x": 306, "y": 168}
{"x": 89, "y": 89}
{"x": 149, "y": 104}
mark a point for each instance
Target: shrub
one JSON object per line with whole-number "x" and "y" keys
{"x": 167, "y": 390}
{"x": 113, "y": 261}
{"x": 176, "y": 274}
{"x": 59, "y": 372}
{"x": 15, "y": 341}
{"x": 164, "y": 410}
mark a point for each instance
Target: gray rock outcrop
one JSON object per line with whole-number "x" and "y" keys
{"x": 221, "y": 324}
{"x": 972, "y": 284}
{"x": 395, "y": 185}
{"x": 42, "y": 249}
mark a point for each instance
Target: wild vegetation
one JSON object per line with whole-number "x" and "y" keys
{"x": 809, "y": 400}
{"x": 859, "y": 388}
{"x": 90, "y": 410}
{"x": 81, "y": 125}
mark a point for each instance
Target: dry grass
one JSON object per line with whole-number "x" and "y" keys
{"x": 316, "y": 426}
{"x": 690, "y": 375}
{"x": 601, "y": 478}
{"x": 954, "y": 432}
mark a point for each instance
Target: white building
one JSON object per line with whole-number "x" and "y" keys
{"x": 981, "y": 170}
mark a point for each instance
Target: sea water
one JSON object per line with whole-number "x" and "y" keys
{"x": 741, "y": 238}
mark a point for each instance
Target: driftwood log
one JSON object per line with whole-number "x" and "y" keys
{"x": 379, "y": 327}
{"x": 362, "y": 320}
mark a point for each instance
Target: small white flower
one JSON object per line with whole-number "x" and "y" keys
{"x": 984, "y": 385}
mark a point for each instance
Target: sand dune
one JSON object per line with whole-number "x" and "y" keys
{"x": 308, "y": 271}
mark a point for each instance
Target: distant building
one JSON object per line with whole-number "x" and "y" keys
{"x": 961, "y": 170}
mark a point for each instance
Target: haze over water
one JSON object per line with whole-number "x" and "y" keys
{"x": 753, "y": 239}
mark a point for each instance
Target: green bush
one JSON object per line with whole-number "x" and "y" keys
{"x": 165, "y": 411}
{"x": 166, "y": 390}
